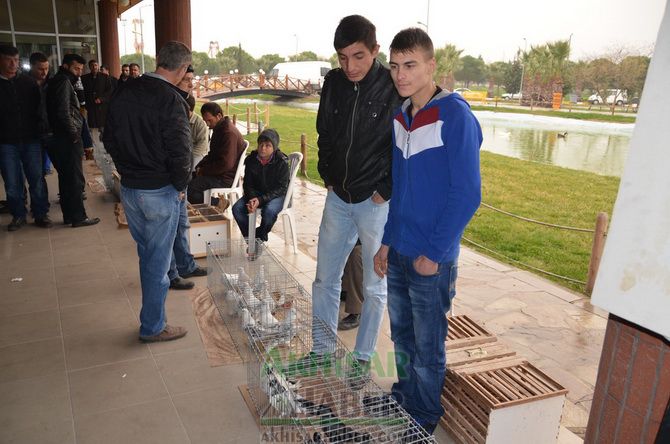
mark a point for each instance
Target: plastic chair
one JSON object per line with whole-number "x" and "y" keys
{"x": 287, "y": 211}
{"x": 234, "y": 190}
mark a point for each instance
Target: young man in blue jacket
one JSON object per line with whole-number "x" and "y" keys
{"x": 436, "y": 190}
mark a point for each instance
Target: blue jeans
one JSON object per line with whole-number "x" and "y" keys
{"x": 152, "y": 217}
{"x": 418, "y": 306}
{"x": 16, "y": 162}
{"x": 269, "y": 213}
{"x": 181, "y": 261}
{"x": 341, "y": 225}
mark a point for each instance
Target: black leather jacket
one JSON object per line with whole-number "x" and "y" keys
{"x": 63, "y": 106}
{"x": 354, "y": 125}
{"x": 148, "y": 135}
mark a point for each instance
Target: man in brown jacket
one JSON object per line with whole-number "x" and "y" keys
{"x": 217, "y": 168}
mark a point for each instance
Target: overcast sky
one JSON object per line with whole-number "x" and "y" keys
{"x": 494, "y": 29}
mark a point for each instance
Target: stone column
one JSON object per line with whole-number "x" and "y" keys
{"x": 173, "y": 21}
{"x": 633, "y": 386}
{"x": 109, "y": 37}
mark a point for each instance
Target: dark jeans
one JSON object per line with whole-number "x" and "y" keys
{"x": 16, "y": 162}
{"x": 197, "y": 187}
{"x": 86, "y": 139}
{"x": 417, "y": 308}
{"x": 182, "y": 260}
{"x": 66, "y": 157}
{"x": 269, "y": 213}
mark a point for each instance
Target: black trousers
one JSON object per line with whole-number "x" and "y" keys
{"x": 66, "y": 157}
{"x": 197, "y": 187}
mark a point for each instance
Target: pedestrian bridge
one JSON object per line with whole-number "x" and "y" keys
{"x": 233, "y": 85}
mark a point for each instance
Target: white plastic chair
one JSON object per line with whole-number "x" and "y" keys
{"x": 286, "y": 213}
{"x": 234, "y": 190}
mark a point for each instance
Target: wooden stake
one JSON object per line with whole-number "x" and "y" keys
{"x": 303, "y": 150}
{"x": 597, "y": 250}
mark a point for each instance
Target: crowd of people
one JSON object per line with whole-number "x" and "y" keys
{"x": 399, "y": 157}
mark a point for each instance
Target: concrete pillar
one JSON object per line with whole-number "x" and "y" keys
{"x": 173, "y": 21}
{"x": 109, "y": 37}
{"x": 633, "y": 386}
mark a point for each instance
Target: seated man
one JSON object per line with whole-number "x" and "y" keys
{"x": 217, "y": 168}
{"x": 266, "y": 176}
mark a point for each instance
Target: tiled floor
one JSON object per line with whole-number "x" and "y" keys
{"x": 72, "y": 370}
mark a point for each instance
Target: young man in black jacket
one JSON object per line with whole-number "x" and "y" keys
{"x": 149, "y": 138}
{"x": 266, "y": 176}
{"x": 21, "y": 127}
{"x": 354, "y": 126}
{"x": 66, "y": 148}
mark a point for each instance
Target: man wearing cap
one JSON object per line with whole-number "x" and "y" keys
{"x": 266, "y": 177}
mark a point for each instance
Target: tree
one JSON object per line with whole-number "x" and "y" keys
{"x": 447, "y": 61}
{"x": 149, "y": 62}
{"x": 633, "y": 74}
{"x": 496, "y": 74}
{"x": 334, "y": 61}
{"x": 383, "y": 58}
{"x": 472, "y": 70}
{"x": 512, "y": 79}
{"x": 305, "y": 56}
{"x": 268, "y": 61}
{"x": 202, "y": 62}
{"x": 234, "y": 57}
{"x": 545, "y": 68}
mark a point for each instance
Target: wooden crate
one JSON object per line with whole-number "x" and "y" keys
{"x": 464, "y": 332}
{"x": 503, "y": 401}
{"x": 208, "y": 224}
{"x": 464, "y": 357}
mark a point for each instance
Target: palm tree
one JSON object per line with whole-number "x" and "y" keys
{"x": 448, "y": 60}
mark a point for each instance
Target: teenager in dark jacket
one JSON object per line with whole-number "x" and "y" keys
{"x": 266, "y": 176}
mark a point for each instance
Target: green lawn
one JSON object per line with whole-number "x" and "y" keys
{"x": 542, "y": 192}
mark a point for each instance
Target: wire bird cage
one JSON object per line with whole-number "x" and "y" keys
{"x": 297, "y": 395}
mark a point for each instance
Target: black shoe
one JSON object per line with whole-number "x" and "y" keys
{"x": 351, "y": 321}
{"x": 86, "y": 222}
{"x": 197, "y": 272}
{"x": 16, "y": 223}
{"x": 181, "y": 284}
{"x": 43, "y": 222}
{"x": 67, "y": 221}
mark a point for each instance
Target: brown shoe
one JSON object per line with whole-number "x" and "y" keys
{"x": 169, "y": 333}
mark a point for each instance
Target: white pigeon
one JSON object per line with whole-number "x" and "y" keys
{"x": 247, "y": 319}
{"x": 230, "y": 278}
{"x": 232, "y": 302}
{"x": 266, "y": 318}
{"x": 242, "y": 276}
{"x": 260, "y": 277}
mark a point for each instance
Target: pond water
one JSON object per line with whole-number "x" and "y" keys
{"x": 597, "y": 153}
{"x": 597, "y": 147}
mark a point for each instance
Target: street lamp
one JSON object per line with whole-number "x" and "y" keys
{"x": 422, "y": 24}
{"x": 142, "y": 33}
{"x": 296, "y": 46}
{"x": 523, "y": 70}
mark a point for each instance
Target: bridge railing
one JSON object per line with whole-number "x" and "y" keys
{"x": 208, "y": 85}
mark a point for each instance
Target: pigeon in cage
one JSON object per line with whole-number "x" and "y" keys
{"x": 282, "y": 299}
{"x": 282, "y": 392}
{"x": 247, "y": 319}
{"x": 232, "y": 302}
{"x": 230, "y": 278}
{"x": 259, "y": 279}
{"x": 266, "y": 317}
{"x": 242, "y": 276}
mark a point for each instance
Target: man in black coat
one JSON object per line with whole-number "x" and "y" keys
{"x": 266, "y": 177}
{"x": 97, "y": 89}
{"x": 149, "y": 138}
{"x": 21, "y": 127}
{"x": 65, "y": 148}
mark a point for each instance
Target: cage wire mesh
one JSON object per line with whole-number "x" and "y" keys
{"x": 299, "y": 396}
